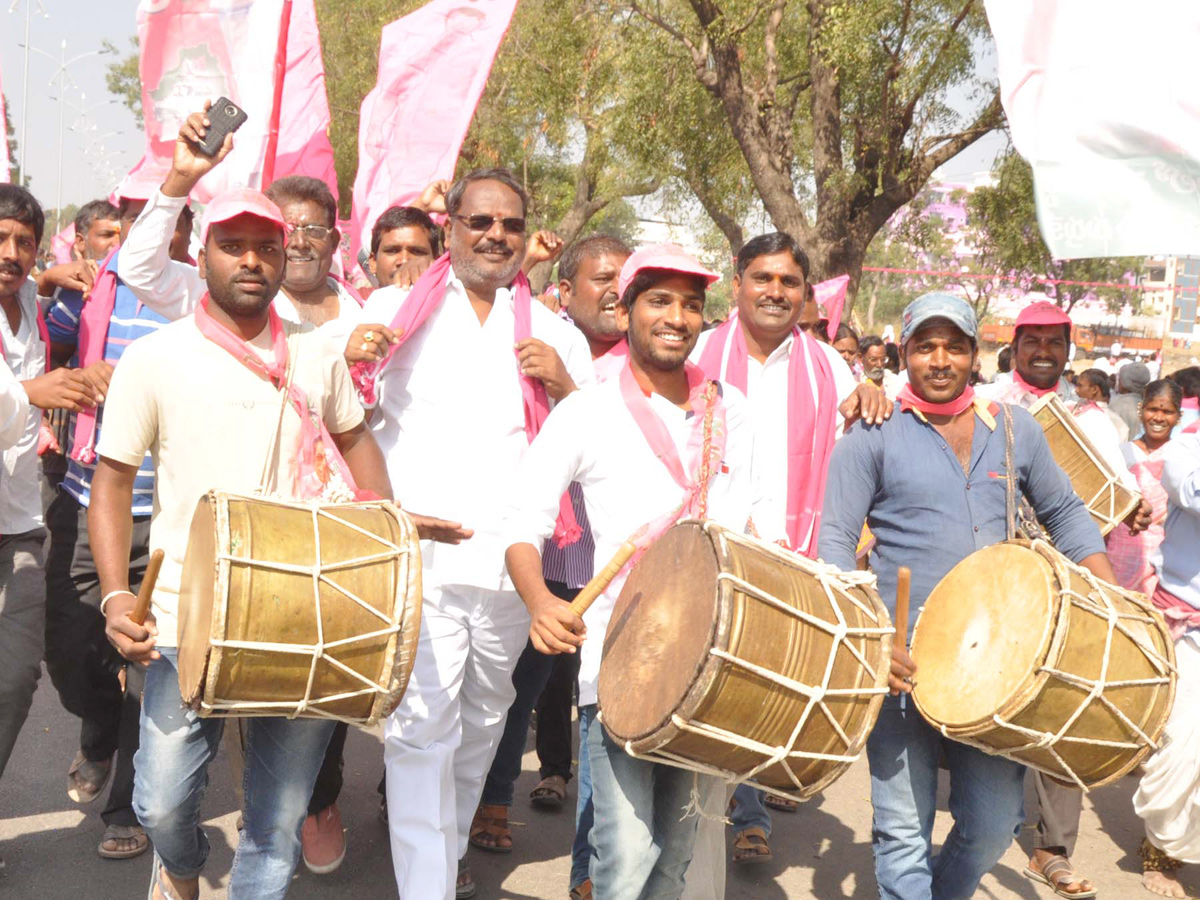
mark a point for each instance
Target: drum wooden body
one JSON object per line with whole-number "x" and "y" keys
{"x": 1093, "y": 479}
{"x": 1023, "y": 654}
{"x": 731, "y": 656}
{"x": 296, "y": 609}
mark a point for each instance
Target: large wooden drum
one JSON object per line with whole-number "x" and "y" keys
{"x": 731, "y": 656}
{"x": 1023, "y": 654}
{"x": 298, "y": 609}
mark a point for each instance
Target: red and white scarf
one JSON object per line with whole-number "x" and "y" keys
{"x": 810, "y": 431}
{"x": 426, "y": 297}
{"x": 308, "y": 481}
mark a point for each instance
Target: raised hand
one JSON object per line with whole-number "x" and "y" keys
{"x": 433, "y": 197}
{"x": 189, "y": 165}
{"x": 543, "y": 246}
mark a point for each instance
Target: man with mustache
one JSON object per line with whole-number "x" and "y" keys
{"x": 1041, "y": 346}
{"x": 92, "y": 328}
{"x": 929, "y": 482}
{"x": 616, "y": 440}
{"x": 404, "y": 241}
{"x": 26, "y": 388}
{"x": 184, "y": 393}
{"x": 466, "y": 371}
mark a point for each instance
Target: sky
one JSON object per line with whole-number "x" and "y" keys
{"x": 83, "y": 24}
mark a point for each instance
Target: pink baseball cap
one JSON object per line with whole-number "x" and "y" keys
{"x": 668, "y": 257}
{"x": 240, "y": 202}
{"x": 1042, "y": 313}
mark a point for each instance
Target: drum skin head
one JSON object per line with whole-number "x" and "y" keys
{"x": 196, "y": 593}
{"x": 983, "y": 631}
{"x": 660, "y": 632}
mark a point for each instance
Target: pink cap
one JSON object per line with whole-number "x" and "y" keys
{"x": 1042, "y": 313}
{"x": 240, "y": 202}
{"x": 669, "y": 257}
{"x": 142, "y": 183}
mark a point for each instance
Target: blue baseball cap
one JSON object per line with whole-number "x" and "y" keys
{"x": 938, "y": 305}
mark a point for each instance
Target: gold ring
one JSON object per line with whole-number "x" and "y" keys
{"x": 369, "y": 336}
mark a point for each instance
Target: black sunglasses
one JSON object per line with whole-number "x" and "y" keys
{"x": 510, "y": 224}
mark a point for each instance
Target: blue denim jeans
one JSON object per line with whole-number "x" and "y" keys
{"x": 986, "y": 801}
{"x": 581, "y": 851}
{"x": 748, "y": 810}
{"x": 642, "y": 840}
{"x": 171, "y": 774}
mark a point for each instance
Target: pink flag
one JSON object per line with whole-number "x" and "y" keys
{"x": 62, "y": 243}
{"x": 433, "y": 64}
{"x": 197, "y": 50}
{"x": 831, "y": 297}
{"x": 5, "y": 162}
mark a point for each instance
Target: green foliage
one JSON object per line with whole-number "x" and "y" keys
{"x": 123, "y": 78}
{"x": 10, "y": 137}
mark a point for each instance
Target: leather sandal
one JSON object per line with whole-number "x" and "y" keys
{"x": 1058, "y": 874}
{"x": 121, "y": 833}
{"x": 489, "y": 829}
{"x": 750, "y": 846}
{"x": 86, "y": 780}
{"x": 581, "y": 891}
{"x": 550, "y": 793}
{"x": 783, "y": 804}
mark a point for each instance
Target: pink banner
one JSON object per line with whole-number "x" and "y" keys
{"x": 831, "y": 297}
{"x": 433, "y": 64}
{"x": 62, "y": 243}
{"x": 197, "y": 50}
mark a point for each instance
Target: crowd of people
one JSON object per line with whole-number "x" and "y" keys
{"x": 528, "y": 437}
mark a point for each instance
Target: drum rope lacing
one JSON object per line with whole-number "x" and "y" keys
{"x": 831, "y": 579}
{"x": 1042, "y": 740}
{"x": 307, "y": 705}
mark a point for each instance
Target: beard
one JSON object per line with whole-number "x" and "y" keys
{"x": 239, "y": 304}
{"x": 473, "y": 270}
{"x": 874, "y": 374}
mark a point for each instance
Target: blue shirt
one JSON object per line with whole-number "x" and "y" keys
{"x": 1177, "y": 559}
{"x": 905, "y": 481}
{"x": 130, "y": 321}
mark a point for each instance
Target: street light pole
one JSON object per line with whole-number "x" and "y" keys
{"x": 62, "y": 110}
{"x": 25, "y": 83}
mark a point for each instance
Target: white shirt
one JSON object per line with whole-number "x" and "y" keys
{"x": 767, "y": 390}
{"x": 336, "y": 329}
{"x": 591, "y": 438}
{"x": 24, "y": 358}
{"x": 451, "y": 421}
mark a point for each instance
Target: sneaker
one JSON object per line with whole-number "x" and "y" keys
{"x": 323, "y": 841}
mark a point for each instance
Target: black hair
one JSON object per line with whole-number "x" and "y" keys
{"x": 92, "y": 211}
{"x": 17, "y": 203}
{"x": 893, "y": 355}
{"x": 1188, "y": 379}
{"x": 304, "y": 188}
{"x": 455, "y": 195}
{"x": 1004, "y": 359}
{"x": 867, "y": 341}
{"x": 844, "y": 331}
{"x": 647, "y": 278}
{"x": 590, "y": 247}
{"x": 1163, "y": 386}
{"x": 1097, "y": 379}
{"x": 767, "y": 245}
{"x": 403, "y": 217}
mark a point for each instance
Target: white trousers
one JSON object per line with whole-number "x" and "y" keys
{"x": 705, "y": 876}
{"x": 439, "y": 743}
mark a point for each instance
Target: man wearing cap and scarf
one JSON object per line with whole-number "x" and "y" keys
{"x": 1041, "y": 341}
{"x": 92, "y": 327}
{"x": 621, "y": 441}
{"x": 184, "y": 393}
{"x": 930, "y": 483}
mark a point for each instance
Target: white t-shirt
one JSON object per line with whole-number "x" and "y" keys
{"x": 208, "y": 422}
{"x": 451, "y": 421}
{"x": 24, "y": 358}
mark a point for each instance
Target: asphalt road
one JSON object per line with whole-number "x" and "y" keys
{"x": 822, "y": 851}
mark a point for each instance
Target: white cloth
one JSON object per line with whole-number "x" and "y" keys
{"x": 1168, "y": 796}
{"x": 208, "y": 423}
{"x": 1175, "y": 558}
{"x": 591, "y": 438}
{"x": 451, "y": 421}
{"x": 705, "y": 875}
{"x": 338, "y": 328}
{"x": 767, "y": 390}
{"x": 440, "y": 741}
{"x": 24, "y": 359}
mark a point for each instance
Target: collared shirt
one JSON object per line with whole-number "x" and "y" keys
{"x": 451, "y": 420}
{"x": 905, "y": 480}
{"x": 592, "y": 439}
{"x": 24, "y": 358}
{"x": 767, "y": 388}
{"x": 1177, "y": 559}
{"x": 130, "y": 320}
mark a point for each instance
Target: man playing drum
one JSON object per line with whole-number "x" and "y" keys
{"x": 1041, "y": 344}
{"x": 636, "y": 444}
{"x": 930, "y": 483}
{"x": 184, "y": 393}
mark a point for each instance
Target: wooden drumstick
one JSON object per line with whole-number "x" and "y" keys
{"x": 903, "y": 578}
{"x": 142, "y": 608}
{"x": 594, "y": 588}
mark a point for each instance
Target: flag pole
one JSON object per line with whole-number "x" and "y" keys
{"x": 268, "y": 172}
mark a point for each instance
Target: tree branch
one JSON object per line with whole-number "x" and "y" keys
{"x": 931, "y": 68}
{"x": 989, "y": 119}
{"x": 699, "y": 52}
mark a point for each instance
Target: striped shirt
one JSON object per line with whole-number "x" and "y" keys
{"x": 573, "y": 564}
{"x": 130, "y": 321}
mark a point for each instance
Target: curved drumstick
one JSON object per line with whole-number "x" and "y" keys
{"x": 594, "y": 588}
{"x": 142, "y": 607}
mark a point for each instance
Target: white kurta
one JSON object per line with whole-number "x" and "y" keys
{"x": 24, "y": 358}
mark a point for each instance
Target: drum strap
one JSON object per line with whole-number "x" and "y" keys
{"x": 1020, "y": 519}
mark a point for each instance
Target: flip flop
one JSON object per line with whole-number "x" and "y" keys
{"x": 124, "y": 833}
{"x": 82, "y": 784}
{"x": 1056, "y": 874}
{"x": 464, "y": 887}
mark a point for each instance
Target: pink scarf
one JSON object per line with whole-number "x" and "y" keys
{"x": 612, "y": 362}
{"x": 1180, "y": 616}
{"x": 909, "y": 400}
{"x": 311, "y": 479}
{"x": 424, "y": 298}
{"x": 1036, "y": 391}
{"x": 810, "y": 431}
{"x": 1130, "y": 553}
{"x": 690, "y": 476}
{"x": 93, "y": 335}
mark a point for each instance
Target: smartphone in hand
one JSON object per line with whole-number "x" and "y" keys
{"x": 225, "y": 117}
